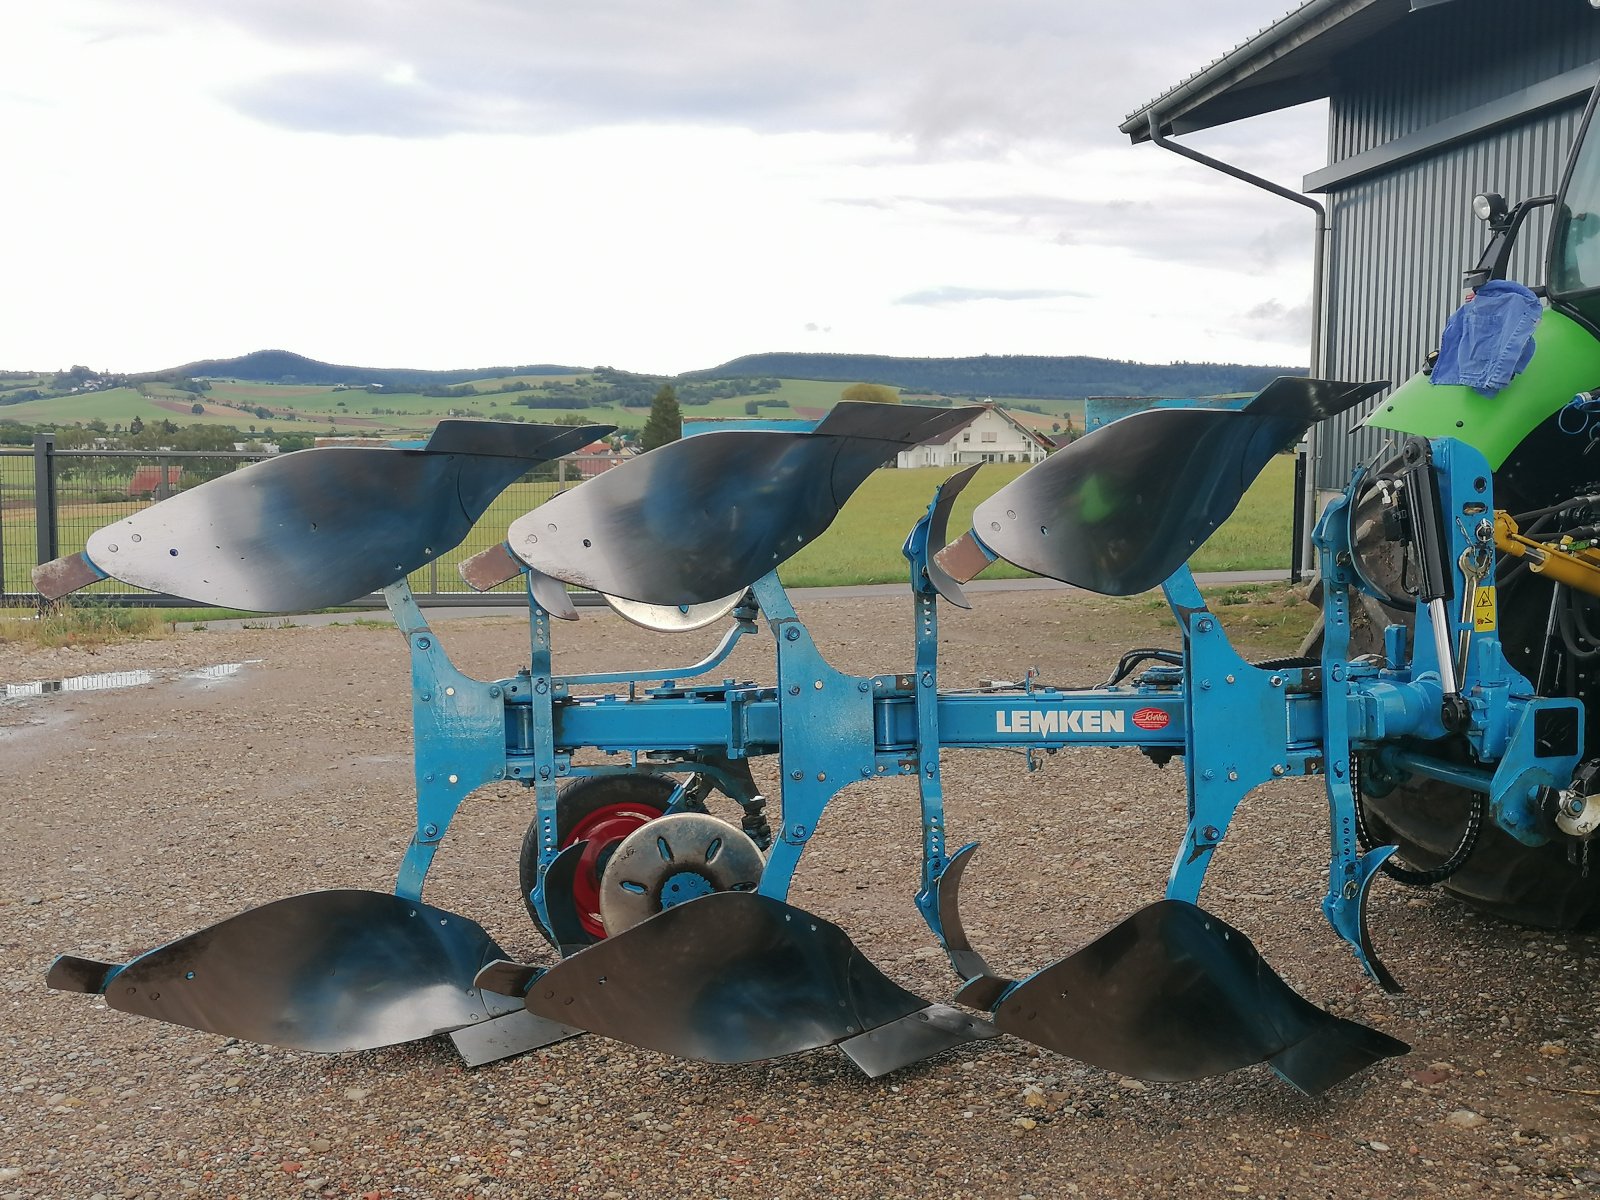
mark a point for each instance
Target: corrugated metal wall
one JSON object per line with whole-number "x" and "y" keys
{"x": 1444, "y": 60}
{"x": 1401, "y": 239}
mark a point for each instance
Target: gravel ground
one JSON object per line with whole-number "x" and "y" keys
{"x": 147, "y": 812}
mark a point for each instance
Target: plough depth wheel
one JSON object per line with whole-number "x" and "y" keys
{"x": 601, "y": 810}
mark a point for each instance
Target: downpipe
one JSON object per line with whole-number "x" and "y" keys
{"x": 1307, "y": 499}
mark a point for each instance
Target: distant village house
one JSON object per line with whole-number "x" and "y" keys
{"x": 994, "y": 436}
{"x": 595, "y": 459}
{"x": 146, "y": 481}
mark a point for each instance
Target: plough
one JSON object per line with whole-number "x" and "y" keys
{"x": 670, "y": 927}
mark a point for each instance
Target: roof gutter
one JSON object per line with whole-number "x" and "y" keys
{"x": 1308, "y": 20}
{"x": 1318, "y": 271}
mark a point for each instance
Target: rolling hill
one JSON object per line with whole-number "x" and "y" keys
{"x": 269, "y": 389}
{"x": 1020, "y": 375}
{"x": 284, "y": 366}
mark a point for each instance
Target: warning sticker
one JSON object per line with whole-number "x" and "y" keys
{"x": 1483, "y": 610}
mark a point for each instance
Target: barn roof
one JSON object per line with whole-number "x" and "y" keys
{"x": 1289, "y": 62}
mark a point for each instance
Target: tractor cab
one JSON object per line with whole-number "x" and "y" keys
{"x": 1573, "y": 271}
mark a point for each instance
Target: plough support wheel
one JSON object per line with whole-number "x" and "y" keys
{"x": 600, "y": 811}
{"x": 674, "y": 860}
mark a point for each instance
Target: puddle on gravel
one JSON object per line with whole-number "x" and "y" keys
{"x": 218, "y": 670}
{"x": 107, "y": 681}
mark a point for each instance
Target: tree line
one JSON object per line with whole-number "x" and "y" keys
{"x": 150, "y": 435}
{"x": 622, "y": 389}
{"x": 1022, "y": 375}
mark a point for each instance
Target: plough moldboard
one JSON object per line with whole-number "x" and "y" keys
{"x": 669, "y": 927}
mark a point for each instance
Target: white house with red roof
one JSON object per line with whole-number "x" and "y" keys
{"x": 596, "y": 459}
{"x": 993, "y": 436}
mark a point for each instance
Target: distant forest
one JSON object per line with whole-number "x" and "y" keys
{"x": 1009, "y": 374}
{"x": 1019, "y": 376}
{"x": 282, "y": 366}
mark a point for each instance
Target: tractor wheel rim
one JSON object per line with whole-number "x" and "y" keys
{"x": 602, "y": 829}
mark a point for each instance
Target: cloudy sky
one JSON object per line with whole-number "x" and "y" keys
{"x": 658, "y": 185}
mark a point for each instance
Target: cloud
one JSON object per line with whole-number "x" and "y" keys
{"x": 428, "y": 100}
{"x": 954, "y": 79}
{"x": 322, "y": 102}
{"x": 891, "y": 165}
{"x": 938, "y": 297}
{"x": 1275, "y": 321}
{"x": 1202, "y": 228}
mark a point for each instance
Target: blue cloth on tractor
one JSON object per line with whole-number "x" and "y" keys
{"x": 1489, "y": 339}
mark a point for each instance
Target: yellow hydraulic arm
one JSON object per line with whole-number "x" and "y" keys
{"x": 1576, "y": 564}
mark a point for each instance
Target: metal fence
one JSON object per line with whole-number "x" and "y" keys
{"x": 51, "y": 500}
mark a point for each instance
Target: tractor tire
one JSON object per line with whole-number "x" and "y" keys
{"x": 1529, "y": 885}
{"x": 600, "y": 809}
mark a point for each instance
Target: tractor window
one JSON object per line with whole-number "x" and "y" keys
{"x": 1574, "y": 270}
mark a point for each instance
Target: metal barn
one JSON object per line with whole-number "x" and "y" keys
{"x": 1429, "y": 103}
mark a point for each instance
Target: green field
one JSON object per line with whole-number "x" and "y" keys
{"x": 862, "y": 545}
{"x": 292, "y": 408}
{"x": 302, "y": 408}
